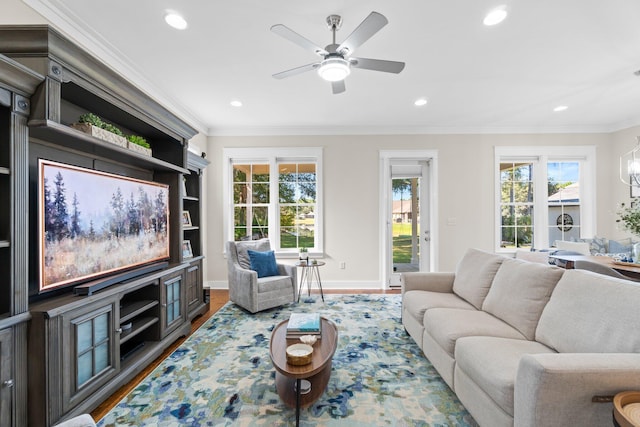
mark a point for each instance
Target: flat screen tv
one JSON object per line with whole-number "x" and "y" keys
{"x": 94, "y": 224}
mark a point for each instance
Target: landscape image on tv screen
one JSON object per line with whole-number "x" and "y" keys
{"x": 93, "y": 223}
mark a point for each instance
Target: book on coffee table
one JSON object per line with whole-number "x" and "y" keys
{"x": 303, "y": 324}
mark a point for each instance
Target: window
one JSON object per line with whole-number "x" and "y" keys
{"x": 275, "y": 194}
{"x": 544, "y": 194}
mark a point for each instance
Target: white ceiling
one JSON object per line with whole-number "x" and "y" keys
{"x": 477, "y": 79}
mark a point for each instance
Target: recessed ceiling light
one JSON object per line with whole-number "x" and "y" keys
{"x": 560, "y": 108}
{"x": 236, "y": 103}
{"x": 420, "y": 102}
{"x": 496, "y": 16}
{"x": 175, "y": 20}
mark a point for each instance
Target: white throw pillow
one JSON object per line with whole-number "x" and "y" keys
{"x": 580, "y": 247}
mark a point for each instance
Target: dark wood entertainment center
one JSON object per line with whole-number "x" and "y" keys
{"x": 61, "y": 353}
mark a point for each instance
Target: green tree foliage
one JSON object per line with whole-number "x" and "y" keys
{"x": 629, "y": 216}
{"x": 75, "y": 231}
{"x": 117, "y": 207}
{"x": 60, "y": 216}
{"x": 516, "y": 201}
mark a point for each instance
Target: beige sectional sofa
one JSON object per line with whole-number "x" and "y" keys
{"x": 527, "y": 344}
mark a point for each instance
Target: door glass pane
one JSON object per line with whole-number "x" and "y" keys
{"x": 84, "y": 336}
{"x": 85, "y": 367}
{"x": 176, "y": 309}
{"x": 405, "y": 224}
{"x": 101, "y": 324}
{"x": 102, "y": 356}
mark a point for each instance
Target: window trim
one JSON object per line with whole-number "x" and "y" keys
{"x": 273, "y": 157}
{"x": 540, "y": 156}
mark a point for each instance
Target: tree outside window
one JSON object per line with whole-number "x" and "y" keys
{"x": 516, "y": 204}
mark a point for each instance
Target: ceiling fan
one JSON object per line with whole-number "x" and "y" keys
{"x": 337, "y": 60}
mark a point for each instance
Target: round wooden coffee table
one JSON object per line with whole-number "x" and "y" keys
{"x": 289, "y": 377}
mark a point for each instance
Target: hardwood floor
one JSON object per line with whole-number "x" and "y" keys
{"x": 217, "y": 298}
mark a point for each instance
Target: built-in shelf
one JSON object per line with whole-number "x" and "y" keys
{"x": 191, "y": 198}
{"x": 61, "y": 135}
{"x": 4, "y": 244}
{"x": 190, "y": 227}
{"x": 138, "y": 326}
{"x": 5, "y": 171}
{"x": 131, "y": 310}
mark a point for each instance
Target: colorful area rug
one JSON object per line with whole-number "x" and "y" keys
{"x": 222, "y": 374}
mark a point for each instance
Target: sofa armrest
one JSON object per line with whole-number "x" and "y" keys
{"x": 240, "y": 280}
{"x": 435, "y": 282}
{"x": 567, "y": 388}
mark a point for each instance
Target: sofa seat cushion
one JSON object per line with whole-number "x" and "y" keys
{"x": 417, "y": 302}
{"x": 272, "y": 283}
{"x": 447, "y": 325}
{"x": 492, "y": 364}
{"x": 519, "y": 292}
{"x": 591, "y": 313}
{"x": 474, "y": 275}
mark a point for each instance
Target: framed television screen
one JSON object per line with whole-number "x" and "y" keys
{"x": 92, "y": 224}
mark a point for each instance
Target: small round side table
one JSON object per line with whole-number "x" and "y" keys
{"x": 310, "y": 273}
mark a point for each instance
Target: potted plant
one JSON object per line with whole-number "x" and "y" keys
{"x": 629, "y": 216}
{"x": 139, "y": 144}
{"x": 303, "y": 254}
{"x": 93, "y": 125}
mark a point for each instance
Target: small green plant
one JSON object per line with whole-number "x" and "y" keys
{"x": 139, "y": 141}
{"x": 96, "y": 121}
{"x": 111, "y": 128}
{"x": 91, "y": 119}
{"x": 629, "y": 216}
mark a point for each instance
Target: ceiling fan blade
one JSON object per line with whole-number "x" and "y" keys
{"x": 338, "y": 87}
{"x": 297, "y": 70}
{"x": 296, "y": 38}
{"x": 367, "y": 28}
{"x": 377, "y": 65}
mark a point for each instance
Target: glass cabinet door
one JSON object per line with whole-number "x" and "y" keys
{"x": 90, "y": 350}
{"x": 174, "y": 304}
{"x": 6, "y": 378}
{"x": 92, "y": 347}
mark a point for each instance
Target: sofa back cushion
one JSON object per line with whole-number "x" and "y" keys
{"x": 519, "y": 293}
{"x": 591, "y": 313}
{"x": 474, "y": 274}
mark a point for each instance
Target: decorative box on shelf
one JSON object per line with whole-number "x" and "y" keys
{"x": 102, "y": 134}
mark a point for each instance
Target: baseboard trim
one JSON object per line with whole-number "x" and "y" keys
{"x": 328, "y": 285}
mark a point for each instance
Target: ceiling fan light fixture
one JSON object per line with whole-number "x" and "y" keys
{"x": 496, "y": 16}
{"x": 334, "y": 69}
{"x": 175, "y": 20}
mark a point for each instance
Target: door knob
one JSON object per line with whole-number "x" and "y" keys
{"x": 8, "y": 383}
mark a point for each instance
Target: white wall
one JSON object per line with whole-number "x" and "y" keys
{"x": 466, "y": 194}
{"x": 15, "y": 12}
